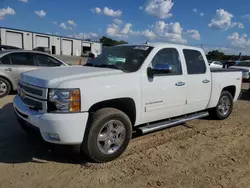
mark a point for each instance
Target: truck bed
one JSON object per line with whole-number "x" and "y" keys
{"x": 223, "y": 70}
{"x": 228, "y": 78}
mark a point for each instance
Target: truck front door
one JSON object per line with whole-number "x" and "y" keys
{"x": 198, "y": 81}
{"x": 164, "y": 96}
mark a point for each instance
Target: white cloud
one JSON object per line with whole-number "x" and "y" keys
{"x": 6, "y": 11}
{"x": 113, "y": 30}
{"x": 238, "y": 24}
{"x": 126, "y": 29}
{"x": 63, "y": 26}
{"x": 121, "y": 31}
{"x": 247, "y": 17}
{"x": 110, "y": 12}
{"x": 194, "y": 34}
{"x": 160, "y": 31}
{"x": 71, "y": 22}
{"x": 148, "y": 34}
{"x": 55, "y": 23}
{"x": 172, "y": 32}
{"x": 159, "y": 8}
{"x": 84, "y": 36}
{"x": 40, "y": 13}
{"x": 117, "y": 21}
{"x": 223, "y": 21}
{"x": 195, "y": 10}
{"x": 96, "y": 10}
{"x": 24, "y": 1}
{"x": 239, "y": 41}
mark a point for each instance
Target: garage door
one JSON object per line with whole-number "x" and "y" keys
{"x": 14, "y": 39}
{"x": 86, "y": 44}
{"x": 42, "y": 41}
{"x": 67, "y": 46}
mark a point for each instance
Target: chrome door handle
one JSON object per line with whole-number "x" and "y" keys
{"x": 206, "y": 81}
{"x": 180, "y": 84}
{"x": 8, "y": 69}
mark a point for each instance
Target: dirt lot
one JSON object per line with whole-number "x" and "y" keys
{"x": 202, "y": 153}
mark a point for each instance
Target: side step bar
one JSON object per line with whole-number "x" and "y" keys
{"x": 162, "y": 125}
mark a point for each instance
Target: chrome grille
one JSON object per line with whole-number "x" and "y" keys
{"x": 33, "y": 97}
{"x": 32, "y": 91}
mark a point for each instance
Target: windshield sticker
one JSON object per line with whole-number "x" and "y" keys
{"x": 141, "y": 48}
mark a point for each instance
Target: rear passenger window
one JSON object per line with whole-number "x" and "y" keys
{"x": 26, "y": 59}
{"x": 5, "y": 60}
{"x": 169, "y": 56}
{"x": 195, "y": 62}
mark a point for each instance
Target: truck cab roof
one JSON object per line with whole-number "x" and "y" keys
{"x": 163, "y": 45}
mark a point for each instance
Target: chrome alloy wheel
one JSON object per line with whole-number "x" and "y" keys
{"x": 3, "y": 87}
{"x": 111, "y": 137}
{"x": 224, "y": 105}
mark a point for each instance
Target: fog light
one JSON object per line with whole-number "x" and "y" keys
{"x": 54, "y": 136}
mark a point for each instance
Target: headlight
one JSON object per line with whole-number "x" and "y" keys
{"x": 64, "y": 100}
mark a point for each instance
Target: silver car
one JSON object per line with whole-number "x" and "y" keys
{"x": 14, "y": 62}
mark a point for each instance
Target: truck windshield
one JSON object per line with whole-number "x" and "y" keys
{"x": 125, "y": 58}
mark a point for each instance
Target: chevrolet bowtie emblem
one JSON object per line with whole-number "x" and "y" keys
{"x": 22, "y": 94}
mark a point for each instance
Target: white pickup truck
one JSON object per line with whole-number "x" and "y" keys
{"x": 130, "y": 88}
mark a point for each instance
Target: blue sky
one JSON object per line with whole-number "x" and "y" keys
{"x": 220, "y": 24}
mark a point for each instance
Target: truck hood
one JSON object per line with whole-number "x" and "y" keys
{"x": 52, "y": 77}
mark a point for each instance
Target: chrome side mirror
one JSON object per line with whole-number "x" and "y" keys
{"x": 159, "y": 69}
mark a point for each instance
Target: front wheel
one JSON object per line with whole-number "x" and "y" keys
{"x": 224, "y": 107}
{"x": 5, "y": 87}
{"x": 107, "y": 135}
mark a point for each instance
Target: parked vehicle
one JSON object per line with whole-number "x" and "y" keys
{"x": 244, "y": 66}
{"x": 142, "y": 88}
{"x": 42, "y": 49}
{"x": 7, "y": 47}
{"x": 86, "y": 54}
{"x": 227, "y": 64}
{"x": 14, "y": 62}
{"x": 215, "y": 64}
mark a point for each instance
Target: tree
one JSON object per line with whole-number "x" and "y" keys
{"x": 215, "y": 55}
{"x": 110, "y": 42}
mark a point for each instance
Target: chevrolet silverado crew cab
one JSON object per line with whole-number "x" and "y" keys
{"x": 130, "y": 88}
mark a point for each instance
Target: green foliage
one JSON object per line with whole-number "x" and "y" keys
{"x": 215, "y": 54}
{"x": 110, "y": 42}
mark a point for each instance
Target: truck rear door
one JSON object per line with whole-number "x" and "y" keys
{"x": 198, "y": 81}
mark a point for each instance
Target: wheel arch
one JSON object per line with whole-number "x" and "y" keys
{"x": 231, "y": 89}
{"x": 126, "y": 105}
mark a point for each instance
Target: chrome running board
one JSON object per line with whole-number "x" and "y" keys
{"x": 151, "y": 127}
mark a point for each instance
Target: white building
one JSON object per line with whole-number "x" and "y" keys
{"x": 58, "y": 45}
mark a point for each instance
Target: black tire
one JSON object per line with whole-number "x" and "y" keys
{"x": 91, "y": 145}
{"x": 216, "y": 113}
{"x": 7, "y": 87}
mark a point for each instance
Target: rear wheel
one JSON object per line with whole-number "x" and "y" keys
{"x": 5, "y": 87}
{"x": 107, "y": 135}
{"x": 224, "y": 107}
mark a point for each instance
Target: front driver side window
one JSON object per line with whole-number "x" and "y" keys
{"x": 169, "y": 56}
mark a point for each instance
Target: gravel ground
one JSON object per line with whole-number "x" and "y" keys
{"x": 201, "y": 153}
